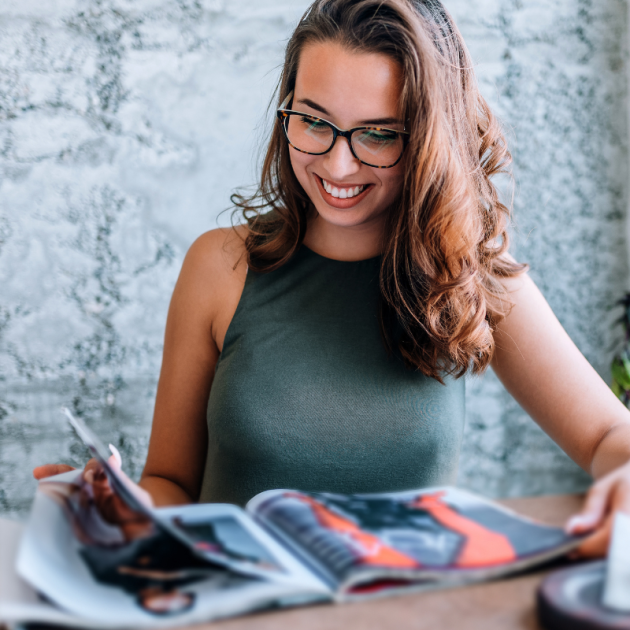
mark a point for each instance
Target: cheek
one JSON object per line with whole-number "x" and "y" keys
{"x": 300, "y": 162}
{"x": 392, "y": 181}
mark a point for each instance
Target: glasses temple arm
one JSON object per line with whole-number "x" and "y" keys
{"x": 286, "y": 101}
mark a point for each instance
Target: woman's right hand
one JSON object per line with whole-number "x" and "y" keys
{"x": 110, "y": 506}
{"x": 50, "y": 470}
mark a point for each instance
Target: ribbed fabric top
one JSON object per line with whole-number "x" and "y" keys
{"x": 305, "y": 395}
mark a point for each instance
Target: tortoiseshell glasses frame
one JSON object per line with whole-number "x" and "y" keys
{"x": 285, "y": 114}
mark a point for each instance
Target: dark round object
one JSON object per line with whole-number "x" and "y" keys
{"x": 571, "y": 600}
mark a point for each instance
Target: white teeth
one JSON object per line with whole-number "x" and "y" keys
{"x": 341, "y": 193}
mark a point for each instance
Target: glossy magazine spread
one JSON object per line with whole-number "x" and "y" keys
{"x": 365, "y": 544}
{"x": 80, "y": 562}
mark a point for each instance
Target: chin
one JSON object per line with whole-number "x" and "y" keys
{"x": 344, "y": 218}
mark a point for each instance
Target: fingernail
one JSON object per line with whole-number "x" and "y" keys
{"x": 116, "y": 455}
{"x": 580, "y": 522}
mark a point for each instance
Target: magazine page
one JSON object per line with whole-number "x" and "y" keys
{"x": 369, "y": 543}
{"x": 239, "y": 536}
{"x": 137, "y": 575}
{"x": 18, "y": 600}
{"x": 123, "y": 492}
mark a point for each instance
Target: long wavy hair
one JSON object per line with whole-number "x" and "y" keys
{"x": 444, "y": 248}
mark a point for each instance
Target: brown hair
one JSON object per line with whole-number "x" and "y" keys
{"x": 445, "y": 243}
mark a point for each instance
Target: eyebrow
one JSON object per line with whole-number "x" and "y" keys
{"x": 374, "y": 121}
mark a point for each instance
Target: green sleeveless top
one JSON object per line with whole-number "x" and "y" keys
{"x": 305, "y": 396}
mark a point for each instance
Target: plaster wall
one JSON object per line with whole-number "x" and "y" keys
{"x": 125, "y": 125}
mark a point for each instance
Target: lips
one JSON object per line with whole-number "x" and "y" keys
{"x": 341, "y": 192}
{"x": 342, "y": 197}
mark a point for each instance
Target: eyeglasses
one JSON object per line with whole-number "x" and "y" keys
{"x": 375, "y": 146}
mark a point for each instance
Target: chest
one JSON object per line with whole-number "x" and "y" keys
{"x": 305, "y": 394}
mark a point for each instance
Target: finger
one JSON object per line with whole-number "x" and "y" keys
{"x": 93, "y": 471}
{"x": 593, "y": 512}
{"x": 91, "y": 468}
{"x": 115, "y": 460}
{"x": 596, "y": 545}
{"x": 93, "y": 464}
{"x": 50, "y": 470}
{"x": 621, "y": 499}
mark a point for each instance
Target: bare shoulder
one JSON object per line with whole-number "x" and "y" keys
{"x": 212, "y": 277}
{"x": 529, "y": 317}
{"x": 516, "y": 282}
{"x": 518, "y": 285}
{"x": 220, "y": 251}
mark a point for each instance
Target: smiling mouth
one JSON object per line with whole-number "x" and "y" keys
{"x": 341, "y": 193}
{"x": 343, "y": 197}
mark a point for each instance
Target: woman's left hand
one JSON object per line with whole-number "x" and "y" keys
{"x": 607, "y": 495}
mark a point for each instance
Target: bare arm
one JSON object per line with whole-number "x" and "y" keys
{"x": 203, "y": 303}
{"x": 573, "y": 405}
{"x": 542, "y": 368}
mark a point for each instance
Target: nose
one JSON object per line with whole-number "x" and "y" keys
{"x": 340, "y": 163}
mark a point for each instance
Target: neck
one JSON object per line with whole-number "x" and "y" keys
{"x": 343, "y": 243}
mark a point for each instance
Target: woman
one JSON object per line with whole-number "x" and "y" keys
{"x": 321, "y": 346}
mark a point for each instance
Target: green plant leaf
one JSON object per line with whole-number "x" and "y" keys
{"x": 621, "y": 372}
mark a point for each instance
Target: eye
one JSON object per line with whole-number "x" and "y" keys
{"x": 378, "y": 136}
{"x": 313, "y": 124}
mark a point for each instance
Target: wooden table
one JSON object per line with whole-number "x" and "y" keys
{"x": 503, "y": 605}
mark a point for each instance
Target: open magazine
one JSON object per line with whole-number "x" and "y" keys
{"x": 187, "y": 564}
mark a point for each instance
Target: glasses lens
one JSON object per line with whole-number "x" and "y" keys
{"x": 378, "y": 147}
{"x": 309, "y": 134}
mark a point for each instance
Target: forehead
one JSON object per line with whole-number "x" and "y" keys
{"x": 351, "y": 85}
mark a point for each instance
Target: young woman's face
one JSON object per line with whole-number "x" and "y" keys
{"x": 349, "y": 89}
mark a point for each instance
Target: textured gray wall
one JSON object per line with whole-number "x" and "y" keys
{"x": 124, "y": 126}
